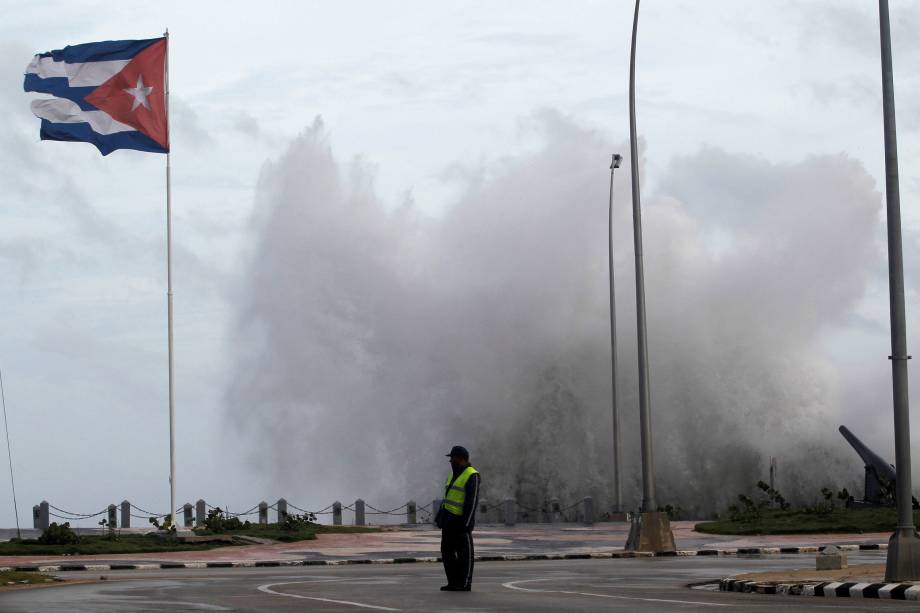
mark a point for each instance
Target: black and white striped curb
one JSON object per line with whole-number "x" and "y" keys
{"x": 751, "y": 551}
{"x": 891, "y": 591}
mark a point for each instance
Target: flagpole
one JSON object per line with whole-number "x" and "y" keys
{"x": 169, "y": 309}
{"x": 9, "y": 452}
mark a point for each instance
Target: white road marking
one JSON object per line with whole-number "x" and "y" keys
{"x": 135, "y": 600}
{"x": 512, "y": 585}
{"x": 361, "y": 605}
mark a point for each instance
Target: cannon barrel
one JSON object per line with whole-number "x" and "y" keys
{"x": 870, "y": 458}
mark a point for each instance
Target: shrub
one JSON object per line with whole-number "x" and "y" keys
{"x": 217, "y": 521}
{"x": 166, "y": 526}
{"x": 295, "y": 523}
{"x": 59, "y": 534}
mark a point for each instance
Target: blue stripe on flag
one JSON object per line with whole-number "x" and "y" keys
{"x": 59, "y": 87}
{"x": 98, "y": 52}
{"x": 106, "y": 143}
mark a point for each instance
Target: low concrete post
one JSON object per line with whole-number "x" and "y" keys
{"x": 35, "y": 515}
{"x": 510, "y": 509}
{"x": 125, "y": 514}
{"x": 43, "y": 517}
{"x": 831, "y": 558}
{"x": 336, "y": 513}
{"x": 112, "y": 517}
{"x": 201, "y": 512}
{"x": 589, "y": 511}
{"x": 359, "y": 512}
{"x": 187, "y": 518}
{"x": 554, "y": 508}
{"x": 410, "y": 512}
{"x": 281, "y": 507}
{"x": 435, "y": 507}
{"x": 263, "y": 513}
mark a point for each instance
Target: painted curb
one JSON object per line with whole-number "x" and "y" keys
{"x": 614, "y": 555}
{"x": 888, "y": 591}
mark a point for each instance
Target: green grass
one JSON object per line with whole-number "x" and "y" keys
{"x": 126, "y": 543}
{"x": 18, "y": 578}
{"x": 800, "y": 522}
{"x": 276, "y": 533}
{"x": 151, "y": 543}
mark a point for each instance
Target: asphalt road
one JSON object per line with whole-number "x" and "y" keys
{"x": 653, "y": 584}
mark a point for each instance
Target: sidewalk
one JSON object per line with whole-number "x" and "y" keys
{"x": 491, "y": 541}
{"x": 858, "y": 581}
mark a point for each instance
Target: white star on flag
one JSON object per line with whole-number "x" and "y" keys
{"x": 140, "y": 93}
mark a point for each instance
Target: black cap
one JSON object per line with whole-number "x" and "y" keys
{"x": 457, "y": 450}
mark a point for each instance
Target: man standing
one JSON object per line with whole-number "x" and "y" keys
{"x": 456, "y": 518}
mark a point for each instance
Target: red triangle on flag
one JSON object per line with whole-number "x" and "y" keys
{"x": 136, "y": 95}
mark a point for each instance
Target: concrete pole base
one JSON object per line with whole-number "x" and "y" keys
{"x": 903, "y": 562}
{"x": 650, "y": 531}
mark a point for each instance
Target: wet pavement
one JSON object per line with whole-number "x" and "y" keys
{"x": 652, "y": 584}
{"x": 423, "y": 541}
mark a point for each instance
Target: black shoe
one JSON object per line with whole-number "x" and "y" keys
{"x": 468, "y": 588}
{"x": 454, "y": 588}
{"x": 447, "y": 588}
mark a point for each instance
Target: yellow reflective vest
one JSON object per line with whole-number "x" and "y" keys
{"x": 455, "y": 495}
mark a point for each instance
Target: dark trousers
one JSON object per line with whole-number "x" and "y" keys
{"x": 457, "y": 554}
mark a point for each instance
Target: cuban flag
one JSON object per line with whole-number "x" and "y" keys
{"x": 111, "y": 94}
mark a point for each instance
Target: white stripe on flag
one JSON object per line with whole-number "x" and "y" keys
{"x": 85, "y": 74}
{"x": 61, "y": 110}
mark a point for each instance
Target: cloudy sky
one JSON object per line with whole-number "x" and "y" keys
{"x": 430, "y": 99}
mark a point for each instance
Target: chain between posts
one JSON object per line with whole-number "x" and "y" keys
{"x": 371, "y": 510}
{"x": 76, "y": 515}
{"x": 374, "y": 511}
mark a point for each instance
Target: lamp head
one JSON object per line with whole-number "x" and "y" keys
{"x": 617, "y": 158}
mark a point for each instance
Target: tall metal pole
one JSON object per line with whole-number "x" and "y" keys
{"x": 617, "y": 487}
{"x": 645, "y": 423}
{"x": 9, "y": 452}
{"x": 169, "y": 309}
{"x": 904, "y": 547}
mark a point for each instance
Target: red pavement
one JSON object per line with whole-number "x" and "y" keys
{"x": 524, "y": 538}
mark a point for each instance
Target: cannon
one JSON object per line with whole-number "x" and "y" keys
{"x": 880, "y": 475}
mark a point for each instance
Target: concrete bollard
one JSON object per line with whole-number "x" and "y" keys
{"x": 201, "y": 512}
{"x": 510, "y": 510}
{"x": 554, "y": 509}
{"x": 281, "y": 507}
{"x": 831, "y": 558}
{"x": 359, "y": 512}
{"x": 336, "y": 513}
{"x": 35, "y": 515}
{"x": 125, "y": 514}
{"x": 43, "y": 516}
{"x": 410, "y": 512}
{"x": 589, "y": 511}
{"x": 263, "y": 513}
{"x": 187, "y": 519}
{"x": 112, "y": 517}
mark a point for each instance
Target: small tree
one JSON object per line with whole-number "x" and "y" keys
{"x": 59, "y": 534}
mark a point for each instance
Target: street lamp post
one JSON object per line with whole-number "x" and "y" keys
{"x": 617, "y": 486}
{"x": 651, "y": 530}
{"x": 903, "y": 563}
{"x": 645, "y": 423}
